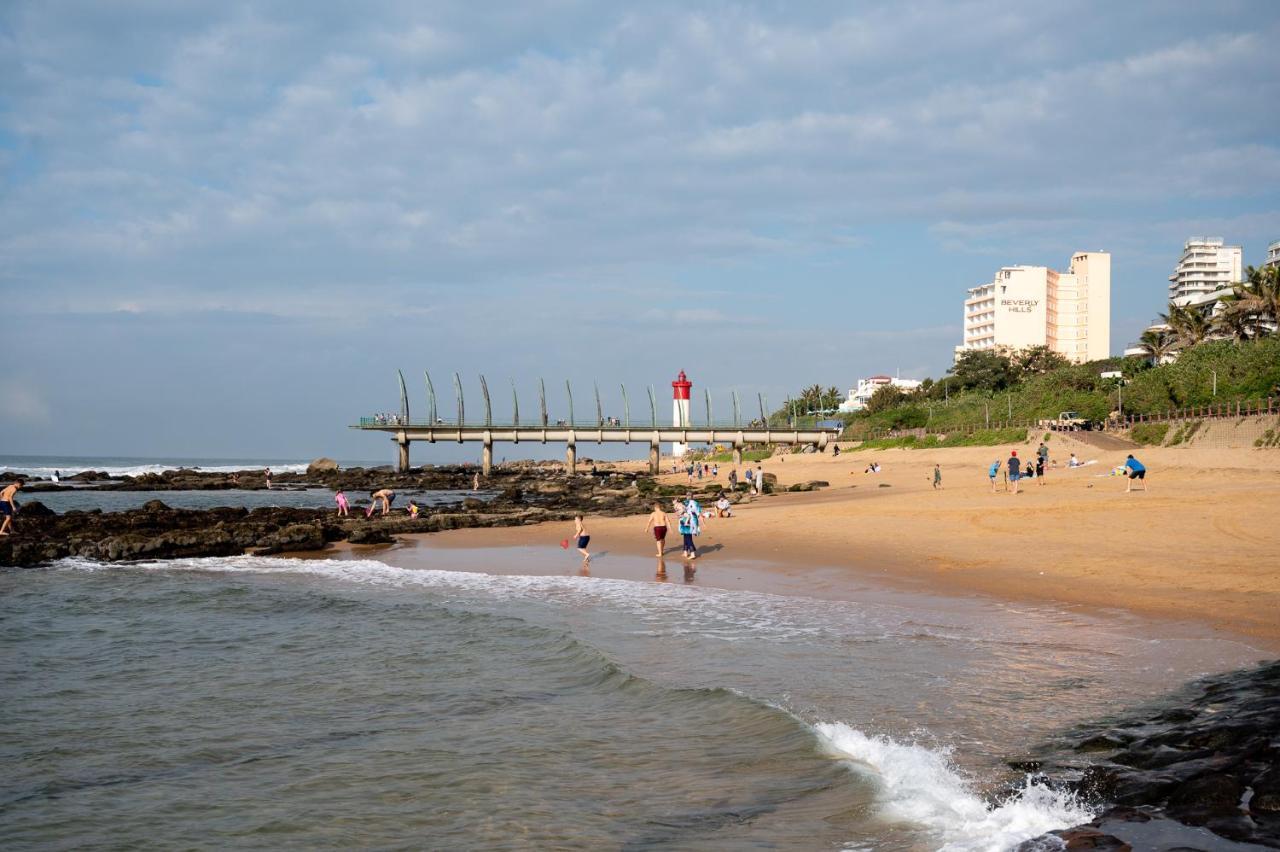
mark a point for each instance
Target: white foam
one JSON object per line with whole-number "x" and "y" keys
{"x": 918, "y": 786}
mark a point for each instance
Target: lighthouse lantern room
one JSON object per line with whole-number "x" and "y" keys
{"x": 680, "y": 410}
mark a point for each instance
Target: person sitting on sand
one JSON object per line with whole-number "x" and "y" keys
{"x": 658, "y": 522}
{"x": 582, "y": 537}
{"x": 9, "y": 505}
{"x": 724, "y": 509}
{"x": 1073, "y": 461}
{"x": 1136, "y": 471}
{"x": 344, "y": 510}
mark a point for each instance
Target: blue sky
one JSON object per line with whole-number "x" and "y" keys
{"x": 224, "y": 226}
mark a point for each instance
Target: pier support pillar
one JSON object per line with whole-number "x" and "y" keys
{"x": 571, "y": 458}
{"x": 403, "y": 464}
{"x": 486, "y": 458}
{"x": 655, "y": 457}
{"x": 737, "y": 455}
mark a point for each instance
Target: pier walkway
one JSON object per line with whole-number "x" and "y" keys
{"x": 406, "y": 432}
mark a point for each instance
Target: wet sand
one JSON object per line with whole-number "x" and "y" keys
{"x": 1201, "y": 545}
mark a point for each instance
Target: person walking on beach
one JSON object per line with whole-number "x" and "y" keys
{"x": 1015, "y": 464}
{"x": 690, "y": 526}
{"x": 344, "y": 510}
{"x": 658, "y": 521}
{"x": 1040, "y": 462}
{"x": 1137, "y": 470}
{"x": 582, "y": 537}
{"x": 992, "y": 473}
{"x": 733, "y": 479}
{"x": 1042, "y": 458}
{"x": 759, "y": 479}
{"x": 9, "y": 505}
{"x": 937, "y": 476}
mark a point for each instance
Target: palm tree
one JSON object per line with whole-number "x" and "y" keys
{"x": 1257, "y": 300}
{"x": 831, "y": 398}
{"x": 1188, "y": 325}
{"x": 1234, "y": 322}
{"x": 1156, "y": 344}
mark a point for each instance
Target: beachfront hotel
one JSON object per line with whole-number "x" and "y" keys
{"x": 1206, "y": 266}
{"x": 1069, "y": 312}
{"x": 859, "y": 397}
{"x": 1273, "y": 254}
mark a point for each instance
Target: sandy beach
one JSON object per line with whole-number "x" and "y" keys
{"x": 1200, "y": 545}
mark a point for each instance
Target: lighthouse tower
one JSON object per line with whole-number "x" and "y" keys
{"x": 680, "y": 409}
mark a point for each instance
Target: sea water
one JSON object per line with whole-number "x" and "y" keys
{"x": 264, "y": 703}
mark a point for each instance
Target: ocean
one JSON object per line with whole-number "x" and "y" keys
{"x": 497, "y": 699}
{"x": 86, "y": 499}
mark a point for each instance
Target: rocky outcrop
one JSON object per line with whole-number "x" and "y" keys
{"x": 1208, "y": 759}
{"x": 526, "y": 495}
{"x": 322, "y": 465}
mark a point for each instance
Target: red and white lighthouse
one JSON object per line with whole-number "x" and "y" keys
{"x": 680, "y": 409}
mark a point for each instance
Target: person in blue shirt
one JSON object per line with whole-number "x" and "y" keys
{"x": 1136, "y": 471}
{"x": 992, "y": 473}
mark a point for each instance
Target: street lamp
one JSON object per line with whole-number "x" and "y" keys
{"x": 1215, "y": 382}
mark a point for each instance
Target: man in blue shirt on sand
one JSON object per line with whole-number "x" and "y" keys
{"x": 992, "y": 473}
{"x": 1136, "y": 471}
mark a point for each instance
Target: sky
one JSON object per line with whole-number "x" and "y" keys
{"x": 224, "y": 226}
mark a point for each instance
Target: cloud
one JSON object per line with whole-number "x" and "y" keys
{"x": 21, "y": 404}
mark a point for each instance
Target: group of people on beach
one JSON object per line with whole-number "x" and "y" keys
{"x": 1017, "y": 469}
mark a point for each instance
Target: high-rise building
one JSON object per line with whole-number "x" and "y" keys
{"x": 1070, "y": 312}
{"x": 1206, "y": 266}
{"x": 1273, "y": 254}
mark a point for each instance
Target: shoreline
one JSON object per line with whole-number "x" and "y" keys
{"x": 1198, "y": 549}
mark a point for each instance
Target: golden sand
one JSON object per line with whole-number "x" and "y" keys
{"x": 1203, "y": 543}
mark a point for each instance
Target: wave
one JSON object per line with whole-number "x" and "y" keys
{"x": 917, "y": 785}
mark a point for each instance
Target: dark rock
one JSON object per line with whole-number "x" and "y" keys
{"x": 322, "y": 465}
{"x": 154, "y": 506}
{"x": 292, "y": 537}
{"x": 35, "y": 509}
{"x": 1205, "y": 798}
{"x": 369, "y": 535}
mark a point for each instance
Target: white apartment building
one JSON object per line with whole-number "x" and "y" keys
{"x": 1070, "y": 312}
{"x": 1273, "y": 254}
{"x": 861, "y": 395}
{"x": 1206, "y": 266}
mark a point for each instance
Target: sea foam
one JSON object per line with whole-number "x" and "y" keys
{"x": 918, "y": 786}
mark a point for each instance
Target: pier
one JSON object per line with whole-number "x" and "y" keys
{"x": 599, "y": 430}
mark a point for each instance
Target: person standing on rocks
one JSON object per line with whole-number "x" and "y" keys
{"x": 475, "y": 481}
{"x": 344, "y": 510}
{"x": 385, "y": 496}
{"x": 267, "y": 475}
{"x": 658, "y": 522}
{"x": 9, "y": 505}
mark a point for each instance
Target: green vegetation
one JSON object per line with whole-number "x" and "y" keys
{"x": 747, "y": 456}
{"x": 980, "y": 438}
{"x": 988, "y": 387}
{"x": 1151, "y": 434}
{"x": 1185, "y": 431}
{"x": 1270, "y": 438}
